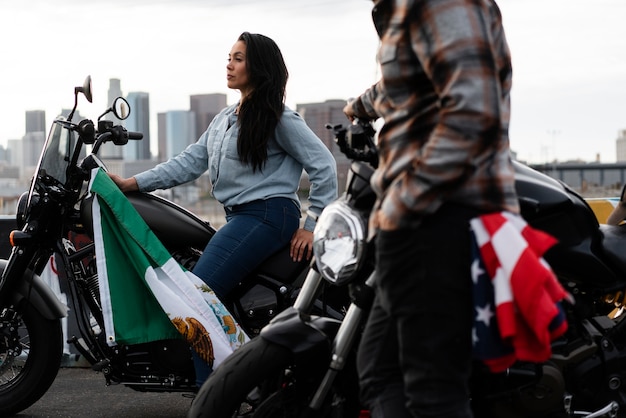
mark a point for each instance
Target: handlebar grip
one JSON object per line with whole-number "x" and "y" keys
{"x": 135, "y": 135}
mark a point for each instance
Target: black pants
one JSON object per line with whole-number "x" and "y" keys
{"x": 415, "y": 356}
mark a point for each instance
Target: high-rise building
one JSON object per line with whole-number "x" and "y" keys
{"x": 115, "y": 91}
{"x": 4, "y": 155}
{"x": 35, "y": 121}
{"x": 14, "y": 146}
{"x": 75, "y": 118}
{"x": 161, "y": 136}
{"x": 138, "y": 121}
{"x": 206, "y": 106}
{"x": 180, "y": 127}
{"x": 32, "y": 144}
{"x": 317, "y": 116}
{"x": 620, "y": 146}
{"x": 110, "y": 150}
{"x": 33, "y": 139}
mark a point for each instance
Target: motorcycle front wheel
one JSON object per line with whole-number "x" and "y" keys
{"x": 31, "y": 348}
{"x": 263, "y": 380}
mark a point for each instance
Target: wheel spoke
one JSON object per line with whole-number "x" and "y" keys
{"x": 14, "y": 351}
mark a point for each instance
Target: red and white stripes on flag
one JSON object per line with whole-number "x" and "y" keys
{"x": 516, "y": 295}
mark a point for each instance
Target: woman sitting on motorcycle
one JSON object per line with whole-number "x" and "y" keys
{"x": 254, "y": 151}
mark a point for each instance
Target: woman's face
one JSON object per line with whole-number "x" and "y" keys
{"x": 236, "y": 71}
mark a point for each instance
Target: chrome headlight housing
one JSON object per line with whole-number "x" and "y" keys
{"x": 339, "y": 242}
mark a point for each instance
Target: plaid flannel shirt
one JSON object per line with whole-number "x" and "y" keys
{"x": 444, "y": 96}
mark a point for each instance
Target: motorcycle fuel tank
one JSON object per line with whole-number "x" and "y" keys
{"x": 175, "y": 226}
{"x": 551, "y": 206}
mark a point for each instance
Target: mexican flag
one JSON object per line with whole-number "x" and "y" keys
{"x": 145, "y": 294}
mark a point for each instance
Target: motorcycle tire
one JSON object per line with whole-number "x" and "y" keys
{"x": 262, "y": 380}
{"x": 26, "y": 377}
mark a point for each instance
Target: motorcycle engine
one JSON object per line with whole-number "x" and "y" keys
{"x": 545, "y": 395}
{"x": 255, "y": 305}
{"x": 524, "y": 391}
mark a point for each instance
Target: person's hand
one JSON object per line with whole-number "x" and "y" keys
{"x": 125, "y": 185}
{"x": 301, "y": 245}
{"x": 617, "y": 215}
{"x": 349, "y": 112}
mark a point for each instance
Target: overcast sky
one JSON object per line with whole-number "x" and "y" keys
{"x": 569, "y": 60}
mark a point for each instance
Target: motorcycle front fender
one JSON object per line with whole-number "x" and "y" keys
{"x": 38, "y": 294}
{"x": 301, "y": 333}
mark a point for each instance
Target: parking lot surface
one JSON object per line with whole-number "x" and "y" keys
{"x": 81, "y": 392}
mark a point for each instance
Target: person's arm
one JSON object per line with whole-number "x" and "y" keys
{"x": 184, "y": 167}
{"x": 190, "y": 164}
{"x": 469, "y": 72}
{"x": 364, "y": 105}
{"x": 297, "y": 139}
{"x": 618, "y": 214}
{"x": 125, "y": 184}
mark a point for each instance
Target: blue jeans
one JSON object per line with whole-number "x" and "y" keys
{"x": 253, "y": 232}
{"x": 414, "y": 359}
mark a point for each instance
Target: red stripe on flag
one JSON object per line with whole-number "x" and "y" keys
{"x": 526, "y": 322}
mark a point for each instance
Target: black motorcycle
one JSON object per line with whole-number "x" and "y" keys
{"x": 303, "y": 365}
{"x": 54, "y": 217}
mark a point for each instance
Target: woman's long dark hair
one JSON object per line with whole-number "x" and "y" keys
{"x": 261, "y": 110}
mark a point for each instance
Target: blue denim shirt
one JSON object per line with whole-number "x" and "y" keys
{"x": 292, "y": 148}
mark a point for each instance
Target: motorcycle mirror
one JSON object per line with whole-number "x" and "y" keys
{"x": 85, "y": 89}
{"x": 121, "y": 108}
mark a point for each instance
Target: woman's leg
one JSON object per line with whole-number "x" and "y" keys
{"x": 254, "y": 232}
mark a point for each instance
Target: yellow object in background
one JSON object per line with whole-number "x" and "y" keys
{"x": 602, "y": 207}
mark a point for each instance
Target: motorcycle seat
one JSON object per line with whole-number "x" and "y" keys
{"x": 280, "y": 266}
{"x": 614, "y": 244}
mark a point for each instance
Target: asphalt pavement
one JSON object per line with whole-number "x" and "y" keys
{"x": 80, "y": 392}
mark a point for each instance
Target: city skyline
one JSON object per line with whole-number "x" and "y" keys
{"x": 182, "y": 136}
{"x": 173, "y": 129}
{"x": 569, "y": 60}
{"x": 177, "y": 129}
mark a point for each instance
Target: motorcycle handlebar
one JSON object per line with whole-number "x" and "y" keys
{"x": 117, "y": 134}
{"x": 135, "y": 135}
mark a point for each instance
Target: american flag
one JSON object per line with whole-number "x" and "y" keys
{"x": 517, "y": 298}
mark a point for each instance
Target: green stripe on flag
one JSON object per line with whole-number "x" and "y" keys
{"x": 145, "y": 294}
{"x": 133, "y": 223}
{"x": 137, "y": 315}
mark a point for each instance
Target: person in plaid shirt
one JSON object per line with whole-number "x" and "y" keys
{"x": 444, "y": 159}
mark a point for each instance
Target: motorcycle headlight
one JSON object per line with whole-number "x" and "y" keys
{"x": 339, "y": 242}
